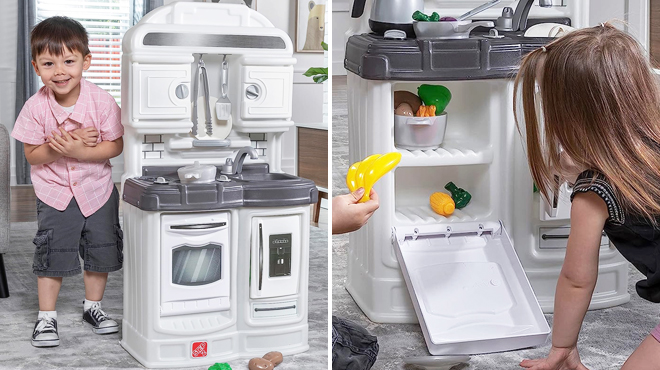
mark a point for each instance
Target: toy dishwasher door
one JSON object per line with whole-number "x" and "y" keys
{"x": 469, "y": 289}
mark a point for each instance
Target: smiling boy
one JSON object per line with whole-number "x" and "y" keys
{"x": 70, "y": 129}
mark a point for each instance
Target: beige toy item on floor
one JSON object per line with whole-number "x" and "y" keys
{"x": 268, "y": 362}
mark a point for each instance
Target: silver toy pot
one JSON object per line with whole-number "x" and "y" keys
{"x": 447, "y": 29}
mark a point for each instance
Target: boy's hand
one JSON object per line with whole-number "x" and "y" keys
{"x": 68, "y": 144}
{"x": 89, "y": 135}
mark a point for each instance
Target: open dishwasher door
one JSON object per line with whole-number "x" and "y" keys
{"x": 469, "y": 290}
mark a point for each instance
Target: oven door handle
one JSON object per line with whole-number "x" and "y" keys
{"x": 211, "y": 225}
{"x": 261, "y": 256}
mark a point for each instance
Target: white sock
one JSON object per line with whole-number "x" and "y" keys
{"x": 87, "y": 304}
{"x": 51, "y": 314}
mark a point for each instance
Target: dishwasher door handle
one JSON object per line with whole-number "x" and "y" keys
{"x": 211, "y": 225}
{"x": 261, "y": 256}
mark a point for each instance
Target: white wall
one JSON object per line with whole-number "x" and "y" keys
{"x": 600, "y": 11}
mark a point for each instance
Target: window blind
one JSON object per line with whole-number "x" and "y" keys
{"x": 106, "y": 21}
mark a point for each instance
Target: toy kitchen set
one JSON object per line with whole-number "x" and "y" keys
{"x": 479, "y": 279}
{"x": 216, "y": 237}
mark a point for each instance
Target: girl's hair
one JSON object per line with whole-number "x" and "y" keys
{"x": 600, "y": 102}
{"x": 54, "y": 34}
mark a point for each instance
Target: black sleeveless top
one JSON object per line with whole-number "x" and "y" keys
{"x": 632, "y": 235}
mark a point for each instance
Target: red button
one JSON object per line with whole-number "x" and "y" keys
{"x": 73, "y": 168}
{"x": 75, "y": 183}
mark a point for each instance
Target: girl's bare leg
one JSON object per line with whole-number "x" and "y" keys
{"x": 645, "y": 357}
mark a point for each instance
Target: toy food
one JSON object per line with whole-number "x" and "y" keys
{"x": 407, "y": 97}
{"x": 421, "y": 17}
{"x": 442, "y": 204}
{"x": 404, "y": 109}
{"x": 367, "y": 172}
{"x": 448, "y": 19}
{"x": 220, "y": 366}
{"x": 365, "y": 165}
{"x": 350, "y": 177}
{"x": 259, "y": 363}
{"x": 426, "y": 111}
{"x": 275, "y": 357}
{"x": 459, "y": 195}
{"x": 437, "y": 95}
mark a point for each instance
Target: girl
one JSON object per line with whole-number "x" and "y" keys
{"x": 599, "y": 128}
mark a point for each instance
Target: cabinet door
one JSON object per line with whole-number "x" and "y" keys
{"x": 313, "y": 155}
{"x": 267, "y": 92}
{"x": 161, "y": 91}
{"x": 275, "y": 256}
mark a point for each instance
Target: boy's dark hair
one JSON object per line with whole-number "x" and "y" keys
{"x": 54, "y": 34}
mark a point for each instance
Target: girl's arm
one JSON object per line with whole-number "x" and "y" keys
{"x": 579, "y": 273}
{"x": 576, "y": 283}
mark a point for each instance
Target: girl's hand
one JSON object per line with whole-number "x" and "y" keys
{"x": 349, "y": 215}
{"x": 68, "y": 144}
{"x": 89, "y": 135}
{"x": 558, "y": 359}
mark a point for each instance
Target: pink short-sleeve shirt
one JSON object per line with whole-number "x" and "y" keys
{"x": 55, "y": 183}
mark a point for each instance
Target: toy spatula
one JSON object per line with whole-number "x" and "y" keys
{"x": 223, "y": 106}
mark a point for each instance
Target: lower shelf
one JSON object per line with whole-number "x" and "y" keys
{"x": 416, "y": 215}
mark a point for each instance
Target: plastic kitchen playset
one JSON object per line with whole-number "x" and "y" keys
{"x": 478, "y": 279}
{"x": 216, "y": 237}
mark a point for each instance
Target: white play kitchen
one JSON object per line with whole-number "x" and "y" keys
{"x": 216, "y": 237}
{"x": 478, "y": 279}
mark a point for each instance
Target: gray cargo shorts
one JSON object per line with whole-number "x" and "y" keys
{"x": 65, "y": 235}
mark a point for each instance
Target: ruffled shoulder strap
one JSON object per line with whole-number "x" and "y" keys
{"x": 592, "y": 181}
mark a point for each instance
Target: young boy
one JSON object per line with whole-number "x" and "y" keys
{"x": 77, "y": 205}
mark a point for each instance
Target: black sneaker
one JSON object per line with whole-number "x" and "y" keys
{"x": 45, "y": 333}
{"x": 99, "y": 320}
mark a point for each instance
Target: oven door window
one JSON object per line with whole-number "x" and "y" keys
{"x": 196, "y": 265}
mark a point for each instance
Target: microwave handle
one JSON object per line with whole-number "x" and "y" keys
{"x": 261, "y": 256}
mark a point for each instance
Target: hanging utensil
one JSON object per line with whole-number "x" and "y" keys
{"x": 207, "y": 105}
{"x": 477, "y": 10}
{"x": 195, "y": 93}
{"x": 223, "y": 105}
{"x": 200, "y": 71}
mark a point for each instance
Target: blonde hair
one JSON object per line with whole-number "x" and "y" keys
{"x": 601, "y": 103}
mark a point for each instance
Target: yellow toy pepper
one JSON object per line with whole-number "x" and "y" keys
{"x": 367, "y": 172}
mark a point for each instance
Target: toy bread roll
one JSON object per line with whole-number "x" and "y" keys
{"x": 407, "y": 97}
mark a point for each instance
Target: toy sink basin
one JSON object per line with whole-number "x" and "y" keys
{"x": 263, "y": 177}
{"x": 447, "y": 29}
{"x": 254, "y": 187}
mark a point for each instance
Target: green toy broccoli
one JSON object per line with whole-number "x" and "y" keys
{"x": 222, "y": 366}
{"x": 421, "y": 17}
{"x": 459, "y": 195}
